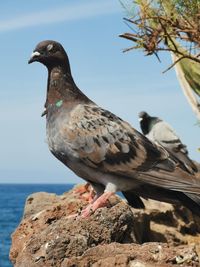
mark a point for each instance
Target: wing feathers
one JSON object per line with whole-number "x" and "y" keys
{"x": 104, "y": 141}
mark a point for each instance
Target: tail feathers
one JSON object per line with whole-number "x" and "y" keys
{"x": 189, "y": 200}
{"x": 178, "y": 180}
{"x": 133, "y": 200}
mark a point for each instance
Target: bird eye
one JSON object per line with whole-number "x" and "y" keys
{"x": 49, "y": 47}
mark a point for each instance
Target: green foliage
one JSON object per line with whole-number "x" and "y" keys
{"x": 172, "y": 26}
{"x": 176, "y": 18}
{"x": 168, "y": 25}
{"x": 187, "y": 7}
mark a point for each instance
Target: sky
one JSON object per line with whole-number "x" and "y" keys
{"x": 124, "y": 83}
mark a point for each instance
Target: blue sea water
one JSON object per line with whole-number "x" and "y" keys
{"x": 12, "y": 199}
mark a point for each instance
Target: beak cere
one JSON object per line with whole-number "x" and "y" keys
{"x": 34, "y": 57}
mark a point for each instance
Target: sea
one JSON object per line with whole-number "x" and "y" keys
{"x": 12, "y": 200}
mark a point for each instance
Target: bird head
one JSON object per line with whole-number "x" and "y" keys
{"x": 50, "y": 53}
{"x": 143, "y": 115}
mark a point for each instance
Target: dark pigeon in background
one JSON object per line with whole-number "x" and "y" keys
{"x": 103, "y": 149}
{"x": 162, "y": 133}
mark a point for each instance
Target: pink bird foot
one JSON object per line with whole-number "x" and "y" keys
{"x": 98, "y": 203}
{"x": 91, "y": 208}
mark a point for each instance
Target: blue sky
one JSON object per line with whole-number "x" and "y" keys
{"x": 123, "y": 83}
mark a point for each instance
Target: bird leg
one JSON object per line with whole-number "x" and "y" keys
{"x": 96, "y": 204}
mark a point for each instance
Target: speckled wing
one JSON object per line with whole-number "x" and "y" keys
{"x": 101, "y": 140}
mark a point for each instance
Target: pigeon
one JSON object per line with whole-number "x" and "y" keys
{"x": 163, "y": 134}
{"x": 103, "y": 149}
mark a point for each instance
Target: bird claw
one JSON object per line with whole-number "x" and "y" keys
{"x": 83, "y": 214}
{"x": 91, "y": 208}
{"x": 87, "y": 212}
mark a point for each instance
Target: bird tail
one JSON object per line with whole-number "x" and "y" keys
{"x": 178, "y": 180}
{"x": 174, "y": 185}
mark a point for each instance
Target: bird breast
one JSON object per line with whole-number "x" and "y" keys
{"x": 58, "y": 144}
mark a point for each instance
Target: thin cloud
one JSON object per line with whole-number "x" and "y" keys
{"x": 61, "y": 14}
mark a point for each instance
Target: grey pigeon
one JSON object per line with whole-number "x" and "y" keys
{"x": 103, "y": 149}
{"x": 163, "y": 134}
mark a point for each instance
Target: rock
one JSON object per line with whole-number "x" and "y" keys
{"x": 146, "y": 255}
{"x": 113, "y": 235}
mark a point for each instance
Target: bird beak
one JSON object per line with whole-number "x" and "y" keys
{"x": 34, "y": 57}
{"x": 140, "y": 119}
{"x": 44, "y": 113}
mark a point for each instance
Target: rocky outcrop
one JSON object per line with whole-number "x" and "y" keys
{"x": 134, "y": 255}
{"x": 117, "y": 235}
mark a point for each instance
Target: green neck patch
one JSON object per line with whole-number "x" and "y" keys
{"x": 59, "y": 103}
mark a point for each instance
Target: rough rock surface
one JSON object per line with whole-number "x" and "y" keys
{"x": 134, "y": 255}
{"x": 117, "y": 235}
